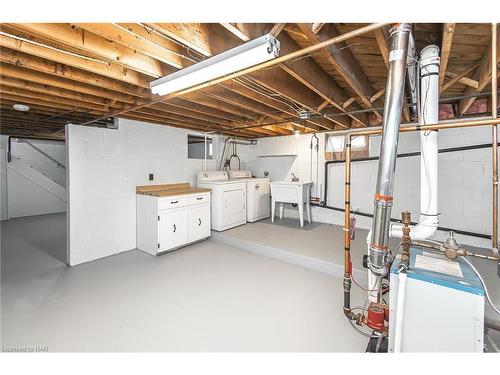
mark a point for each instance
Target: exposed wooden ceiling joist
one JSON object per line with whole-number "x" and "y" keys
{"x": 91, "y": 70}
{"x": 344, "y": 61}
{"x": 448, "y": 31}
{"x": 482, "y": 74}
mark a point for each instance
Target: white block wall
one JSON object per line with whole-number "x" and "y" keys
{"x": 34, "y": 186}
{"x": 464, "y": 179}
{"x": 55, "y": 149}
{"x": 3, "y": 177}
{"x": 104, "y": 167}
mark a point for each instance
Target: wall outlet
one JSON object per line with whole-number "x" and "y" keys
{"x": 151, "y": 177}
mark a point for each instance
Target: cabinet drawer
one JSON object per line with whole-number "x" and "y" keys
{"x": 168, "y": 203}
{"x": 202, "y": 198}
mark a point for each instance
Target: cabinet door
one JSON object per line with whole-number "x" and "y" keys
{"x": 198, "y": 222}
{"x": 172, "y": 228}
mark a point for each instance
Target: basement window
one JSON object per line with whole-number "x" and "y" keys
{"x": 196, "y": 147}
{"x": 335, "y": 147}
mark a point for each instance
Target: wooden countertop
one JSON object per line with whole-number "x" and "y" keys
{"x": 169, "y": 190}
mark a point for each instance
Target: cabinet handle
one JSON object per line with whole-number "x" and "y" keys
{"x": 175, "y": 228}
{"x": 174, "y": 202}
{"x": 199, "y": 222}
{"x": 199, "y": 198}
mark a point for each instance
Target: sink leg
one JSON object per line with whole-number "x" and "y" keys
{"x": 308, "y": 208}
{"x": 301, "y": 213}
{"x": 282, "y": 205}
{"x": 273, "y": 207}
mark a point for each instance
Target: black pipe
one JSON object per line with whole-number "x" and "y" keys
{"x": 403, "y": 155}
{"x": 445, "y": 229}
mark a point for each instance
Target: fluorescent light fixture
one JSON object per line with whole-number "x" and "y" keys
{"x": 249, "y": 54}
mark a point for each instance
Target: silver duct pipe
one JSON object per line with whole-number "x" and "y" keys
{"x": 378, "y": 247}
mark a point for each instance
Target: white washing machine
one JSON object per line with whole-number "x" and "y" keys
{"x": 258, "y": 195}
{"x": 228, "y": 203}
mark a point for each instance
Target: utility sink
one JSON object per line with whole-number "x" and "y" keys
{"x": 297, "y": 192}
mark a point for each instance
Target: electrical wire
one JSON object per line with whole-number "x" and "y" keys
{"x": 192, "y": 58}
{"x": 53, "y": 48}
{"x": 363, "y": 288}
{"x": 272, "y": 96}
{"x": 484, "y": 285}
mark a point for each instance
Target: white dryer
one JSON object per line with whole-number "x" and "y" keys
{"x": 228, "y": 203}
{"x": 258, "y": 195}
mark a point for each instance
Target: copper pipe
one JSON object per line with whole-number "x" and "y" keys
{"x": 347, "y": 191}
{"x": 494, "y": 138}
{"x": 347, "y": 228}
{"x": 266, "y": 64}
{"x": 405, "y": 239}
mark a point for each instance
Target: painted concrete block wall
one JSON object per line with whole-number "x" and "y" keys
{"x": 464, "y": 179}
{"x": 104, "y": 167}
{"x": 3, "y": 177}
{"x": 282, "y": 156}
{"x": 30, "y": 193}
{"x": 31, "y": 183}
{"x": 55, "y": 149}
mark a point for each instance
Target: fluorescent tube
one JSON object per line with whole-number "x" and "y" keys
{"x": 249, "y": 54}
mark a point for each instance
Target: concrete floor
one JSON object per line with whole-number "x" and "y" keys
{"x": 320, "y": 247}
{"x": 206, "y": 297}
{"x": 319, "y": 242}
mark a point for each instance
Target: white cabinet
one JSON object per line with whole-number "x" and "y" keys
{"x": 198, "y": 222}
{"x": 167, "y": 223}
{"x": 172, "y": 229}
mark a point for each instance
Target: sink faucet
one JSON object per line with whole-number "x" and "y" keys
{"x": 294, "y": 178}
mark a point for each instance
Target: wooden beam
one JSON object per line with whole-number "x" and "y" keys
{"x": 194, "y": 35}
{"x": 277, "y": 28}
{"x": 316, "y": 27}
{"x": 447, "y": 39}
{"x": 52, "y": 98}
{"x": 233, "y": 98}
{"x": 482, "y": 74}
{"x": 382, "y": 37}
{"x": 149, "y": 34}
{"x": 40, "y": 82}
{"x": 323, "y": 105}
{"x": 377, "y": 95}
{"x": 44, "y": 103}
{"x": 464, "y": 80}
{"x": 122, "y": 36}
{"x": 220, "y": 40}
{"x": 67, "y": 34}
{"x": 44, "y": 89}
{"x": 34, "y": 63}
{"x": 275, "y": 102}
{"x": 235, "y": 30}
{"x": 102, "y": 68}
{"x": 348, "y": 102}
{"x": 343, "y": 60}
{"x": 458, "y": 77}
{"x": 306, "y": 71}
